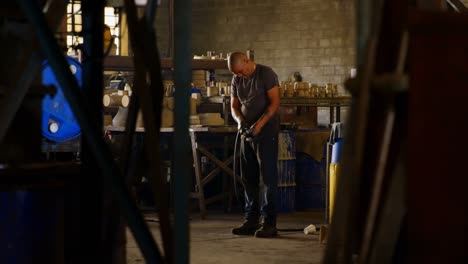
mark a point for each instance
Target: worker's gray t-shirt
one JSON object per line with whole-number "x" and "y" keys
{"x": 252, "y": 93}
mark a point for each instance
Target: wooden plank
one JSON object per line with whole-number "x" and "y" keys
{"x": 212, "y": 157}
{"x": 323, "y": 234}
{"x": 211, "y": 175}
{"x": 125, "y": 63}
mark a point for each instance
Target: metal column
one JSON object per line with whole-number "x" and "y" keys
{"x": 183, "y": 164}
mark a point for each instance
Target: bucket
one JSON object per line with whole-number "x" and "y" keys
{"x": 58, "y": 122}
{"x": 286, "y": 171}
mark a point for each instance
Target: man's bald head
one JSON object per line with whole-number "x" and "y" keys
{"x": 236, "y": 58}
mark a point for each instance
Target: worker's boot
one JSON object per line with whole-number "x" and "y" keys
{"x": 248, "y": 228}
{"x": 268, "y": 229}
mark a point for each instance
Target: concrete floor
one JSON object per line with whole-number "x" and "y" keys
{"x": 211, "y": 241}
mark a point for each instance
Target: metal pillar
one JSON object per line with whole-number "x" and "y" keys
{"x": 183, "y": 164}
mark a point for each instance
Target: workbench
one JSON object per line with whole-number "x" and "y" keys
{"x": 199, "y": 149}
{"x": 333, "y": 103}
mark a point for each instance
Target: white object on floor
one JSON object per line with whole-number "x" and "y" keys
{"x": 310, "y": 229}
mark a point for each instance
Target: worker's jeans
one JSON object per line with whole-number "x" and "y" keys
{"x": 259, "y": 158}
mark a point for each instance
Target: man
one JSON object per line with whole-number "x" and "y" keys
{"x": 254, "y": 104}
{"x": 110, "y": 48}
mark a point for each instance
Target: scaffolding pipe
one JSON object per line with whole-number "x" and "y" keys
{"x": 150, "y": 14}
{"x": 183, "y": 163}
{"x": 363, "y": 21}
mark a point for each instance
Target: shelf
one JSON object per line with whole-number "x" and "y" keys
{"x": 308, "y": 101}
{"x": 125, "y": 63}
{"x": 193, "y": 128}
{"x": 292, "y": 101}
{"x": 218, "y": 99}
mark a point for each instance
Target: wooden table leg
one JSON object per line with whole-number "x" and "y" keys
{"x": 338, "y": 113}
{"x": 198, "y": 175}
{"x": 332, "y": 115}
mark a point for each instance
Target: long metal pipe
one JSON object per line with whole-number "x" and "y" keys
{"x": 183, "y": 164}
{"x": 170, "y": 46}
{"x": 148, "y": 83}
{"x": 150, "y": 13}
{"x": 95, "y": 205}
{"x": 83, "y": 114}
{"x": 457, "y": 5}
{"x": 363, "y": 21}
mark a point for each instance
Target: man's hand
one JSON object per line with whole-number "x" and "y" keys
{"x": 241, "y": 124}
{"x": 256, "y": 128}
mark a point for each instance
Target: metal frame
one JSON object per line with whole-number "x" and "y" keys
{"x": 98, "y": 147}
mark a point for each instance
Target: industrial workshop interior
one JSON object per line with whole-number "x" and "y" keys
{"x": 241, "y": 131}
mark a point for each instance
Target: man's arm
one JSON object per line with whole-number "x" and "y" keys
{"x": 236, "y": 112}
{"x": 273, "y": 96}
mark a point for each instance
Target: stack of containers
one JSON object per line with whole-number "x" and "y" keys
{"x": 286, "y": 171}
{"x": 199, "y": 80}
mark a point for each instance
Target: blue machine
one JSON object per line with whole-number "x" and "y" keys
{"x": 58, "y": 121}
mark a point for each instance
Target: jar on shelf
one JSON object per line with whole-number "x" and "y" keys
{"x": 301, "y": 89}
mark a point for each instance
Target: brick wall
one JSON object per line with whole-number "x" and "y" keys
{"x": 314, "y": 37}
{"x": 162, "y": 27}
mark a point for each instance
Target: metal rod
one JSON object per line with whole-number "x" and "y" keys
{"x": 149, "y": 87}
{"x": 130, "y": 124}
{"x": 183, "y": 164}
{"x": 457, "y": 5}
{"x": 378, "y": 187}
{"x": 15, "y": 96}
{"x": 83, "y": 114}
{"x": 150, "y": 13}
{"x": 343, "y": 230}
{"x": 54, "y": 12}
{"x": 170, "y": 48}
{"x": 96, "y": 204}
{"x": 363, "y": 20}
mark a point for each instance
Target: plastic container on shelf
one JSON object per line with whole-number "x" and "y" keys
{"x": 58, "y": 121}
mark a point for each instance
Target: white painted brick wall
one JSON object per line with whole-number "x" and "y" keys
{"x": 314, "y": 37}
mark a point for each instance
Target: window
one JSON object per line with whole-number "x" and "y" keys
{"x": 75, "y": 24}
